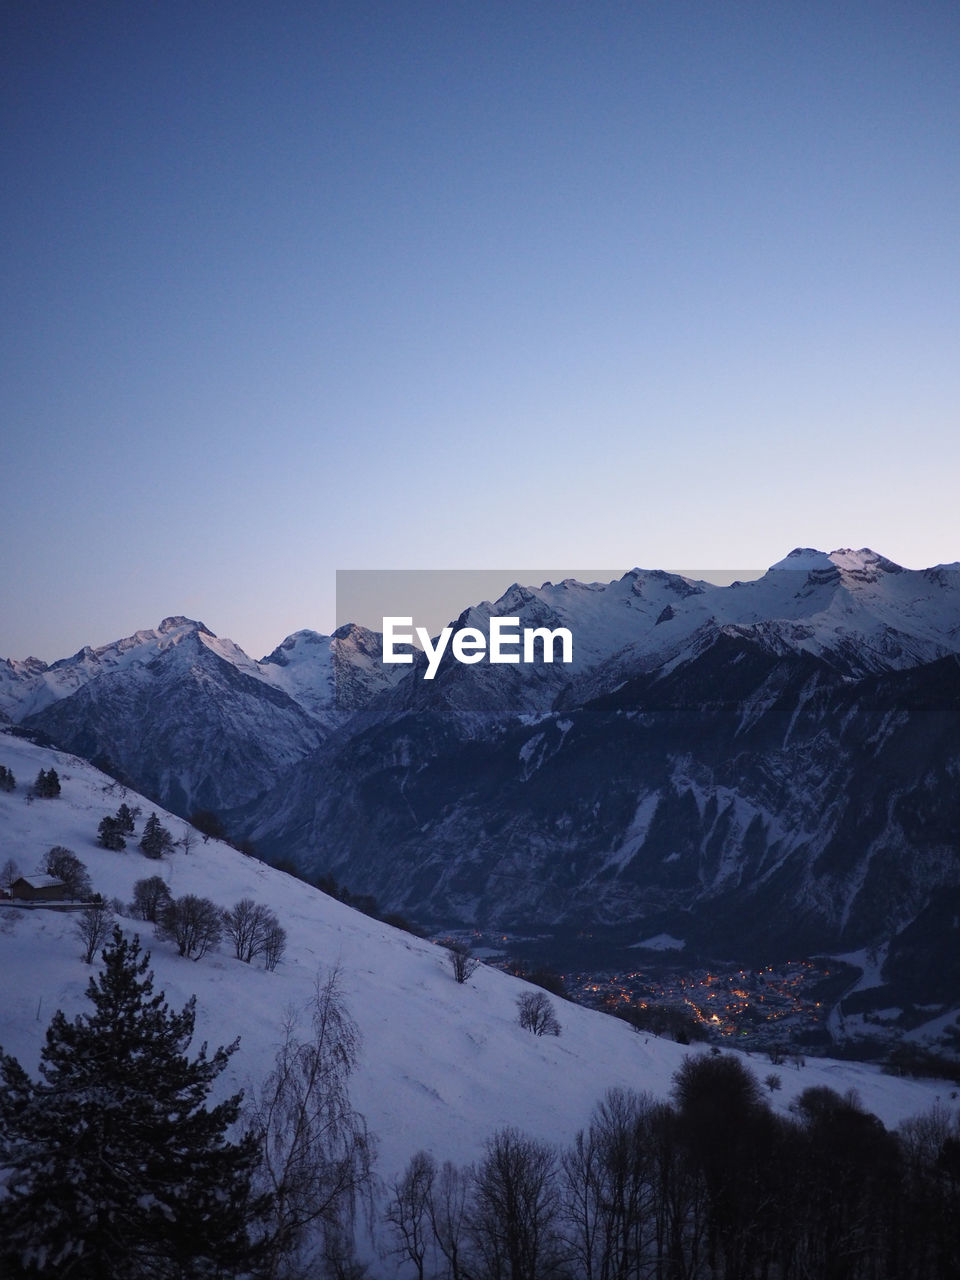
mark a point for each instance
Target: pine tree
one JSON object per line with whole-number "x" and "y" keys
{"x": 125, "y": 820}
{"x": 47, "y": 785}
{"x": 156, "y": 839}
{"x": 110, "y": 834}
{"x": 7, "y": 781}
{"x": 115, "y": 1165}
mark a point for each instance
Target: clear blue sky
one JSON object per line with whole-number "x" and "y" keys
{"x": 293, "y": 287}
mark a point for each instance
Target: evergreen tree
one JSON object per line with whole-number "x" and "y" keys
{"x": 110, "y": 835}
{"x": 125, "y": 820}
{"x": 47, "y": 784}
{"x": 156, "y": 839}
{"x": 7, "y": 781}
{"x": 116, "y": 1168}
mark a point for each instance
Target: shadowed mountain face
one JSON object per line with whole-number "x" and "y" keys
{"x": 746, "y": 801}
{"x": 186, "y": 725}
{"x": 189, "y": 719}
{"x": 767, "y": 768}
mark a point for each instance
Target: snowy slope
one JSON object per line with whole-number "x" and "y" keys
{"x": 191, "y": 719}
{"x": 867, "y": 612}
{"x": 29, "y": 687}
{"x": 442, "y": 1066}
{"x": 309, "y": 667}
{"x": 858, "y": 607}
{"x": 330, "y": 676}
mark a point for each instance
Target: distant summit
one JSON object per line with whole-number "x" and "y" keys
{"x": 767, "y": 765}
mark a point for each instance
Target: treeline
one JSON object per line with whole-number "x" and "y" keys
{"x": 710, "y": 1184}
{"x": 113, "y": 1163}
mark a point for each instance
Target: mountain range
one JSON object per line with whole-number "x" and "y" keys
{"x": 761, "y": 770}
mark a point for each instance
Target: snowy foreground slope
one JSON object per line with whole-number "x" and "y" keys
{"x": 443, "y": 1065}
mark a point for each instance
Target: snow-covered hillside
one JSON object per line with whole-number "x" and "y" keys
{"x": 766, "y": 765}
{"x": 443, "y": 1065}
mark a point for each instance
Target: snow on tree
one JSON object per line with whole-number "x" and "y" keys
{"x": 115, "y": 1166}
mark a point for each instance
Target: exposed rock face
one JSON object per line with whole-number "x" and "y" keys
{"x": 184, "y": 723}
{"x": 768, "y": 767}
{"x": 745, "y": 799}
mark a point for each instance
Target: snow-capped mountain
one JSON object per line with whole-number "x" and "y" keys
{"x": 442, "y": 1066}
{"x": 856, "y": 609}
{"x": 330, "y": 676}
{"x": 768, "y": 765}
{"x": 188, "y": 717}
{"x": 184, "y": 714}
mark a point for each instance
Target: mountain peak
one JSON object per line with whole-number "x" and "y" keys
{"x": 864, "y": 560}
{"x": 175, "y": 622}
{"x": 806, "y": 559}
{"x": 844, "y": 559}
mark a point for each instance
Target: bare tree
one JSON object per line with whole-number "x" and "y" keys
{"x": 408, "y": 1210}
{"x": 448, "y": 1206}
{"x": 251, "y": 928}
{"x": 608, "y": 1179}
{"x": 150, "y": 896}
{"x": 274, "y": 946}
{"x": 317, "y": 1154}
{"x": 514, "y": 1216}
{"x": 462, "y": 962}
{"x": 535, "y": 1013}
{"x": 8, "y": 873}
{"x": 192, "y": 923}
{"x": 63, "y": 864}
{"x": 93, "y": 928}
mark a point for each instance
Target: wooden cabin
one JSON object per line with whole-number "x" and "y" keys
{"x": 38, "y": 888}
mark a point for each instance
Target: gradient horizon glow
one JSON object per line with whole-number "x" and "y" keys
{"x": 303, "y": 287}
